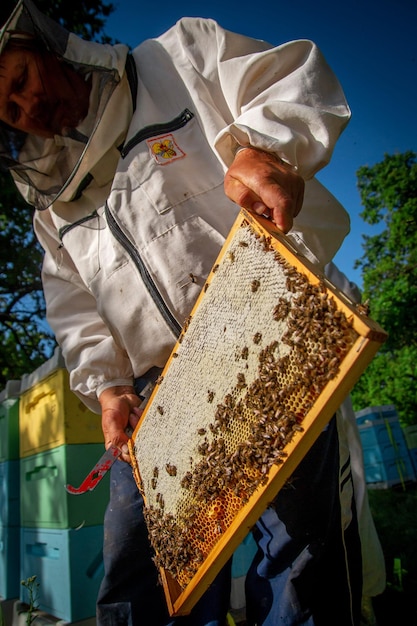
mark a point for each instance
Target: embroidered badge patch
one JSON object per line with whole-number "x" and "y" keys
{"x": 165, "y": 149}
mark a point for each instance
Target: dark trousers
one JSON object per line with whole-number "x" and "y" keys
{"x": 307, "y": 570}
{"x": 130, "y": 594}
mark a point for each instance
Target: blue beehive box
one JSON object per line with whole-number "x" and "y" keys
{"x": 9, "y": 562}
{"x": 68, "y": 566}
{"x": 376, "y": 413}
{"x": 386, "y": 456}
{"x": 389, "y": 473}
{"x": 383, "y": 441}
{"x": 44, "y": 502}
{"x": 9, "y": 493}
{"x": 9, "y": 421}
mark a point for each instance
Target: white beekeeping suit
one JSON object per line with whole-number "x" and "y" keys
{"x": 373, "y": 563}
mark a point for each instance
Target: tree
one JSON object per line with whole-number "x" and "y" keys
{"x": 27, "y": 340}
{"x": 388, "y": 192}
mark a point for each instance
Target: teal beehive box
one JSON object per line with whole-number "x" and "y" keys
{"x": 68, "y": 565}
{"x": 386, "y": 456}
{"x": 9, "y": 421}
{"x": 376, "y": 413}
{"x": 9, "y": 562}
{"x": 9, "y": 493}
{"x": 410, "y": 434}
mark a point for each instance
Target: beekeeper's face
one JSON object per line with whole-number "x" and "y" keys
{"x": 38, "y": 94}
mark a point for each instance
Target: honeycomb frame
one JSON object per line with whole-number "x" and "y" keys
{"x": 268, "y": 354}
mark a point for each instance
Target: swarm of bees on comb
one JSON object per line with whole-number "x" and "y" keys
{"x": 252, "y": 359}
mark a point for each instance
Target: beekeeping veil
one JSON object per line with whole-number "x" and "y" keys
{"x": 47, "y": 168}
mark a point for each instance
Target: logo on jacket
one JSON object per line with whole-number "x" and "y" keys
{"x": 165, "y": 149}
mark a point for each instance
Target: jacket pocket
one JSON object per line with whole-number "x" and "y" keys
{"x": 173, "y": 162}
{"x": 82, "y": 239}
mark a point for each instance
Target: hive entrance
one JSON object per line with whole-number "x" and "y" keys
{"x": 264, "y": 341}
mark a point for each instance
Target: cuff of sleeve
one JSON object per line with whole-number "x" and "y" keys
{"x": 119, "y": 382}
{"x": 239, "y": 148}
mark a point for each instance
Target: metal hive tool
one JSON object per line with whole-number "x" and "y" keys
{"x": 268, "y": 354}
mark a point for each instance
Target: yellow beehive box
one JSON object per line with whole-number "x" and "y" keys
{"x": 51, "y": 415}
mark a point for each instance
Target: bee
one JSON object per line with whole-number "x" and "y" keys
{"x": 187, "y": 323}
{"x": 363, "y": 308}
{"x": 257, "y": 338}
{"x": 171, "y": 469}
{"x": 255, "y": 284}
{"x": 281, "y": 310}
{"x": 187, "y": 480}
{"x": 241, "y": 382}
{"x": 160, "y": 410}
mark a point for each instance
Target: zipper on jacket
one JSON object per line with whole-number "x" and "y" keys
{"x": 65, "y": 229}
{"x": 157, "y": 129}
{"x": 143, "y": 271}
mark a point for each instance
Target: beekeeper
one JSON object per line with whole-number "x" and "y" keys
{"x": 137, "y": 163}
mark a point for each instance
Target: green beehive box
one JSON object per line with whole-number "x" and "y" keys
{"x": 410, "y": 434}
{"x": 9, "y": 421}
{"x": 44, "y": 501}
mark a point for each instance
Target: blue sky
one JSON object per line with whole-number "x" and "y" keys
{"x": 370, "y": 44}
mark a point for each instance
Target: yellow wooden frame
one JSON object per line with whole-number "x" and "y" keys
{"x": 370, "y": 336}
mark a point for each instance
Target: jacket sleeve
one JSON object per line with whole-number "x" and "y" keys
{"x": 91, "y": 355}
{"x": 285, "y": 99}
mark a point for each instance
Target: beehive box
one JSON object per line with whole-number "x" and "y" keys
{"x": 383, "y": 440}
{"x": 376, "y": 413}
{"x": 69, "y": 568}
{"x": 410, "y": 434}
{"x": 9, "y": 493}
{"x": 50, "y": 414}
{"x": 9, "y": 421}
{"x": 268, "y": 354}
{"x": 9, "y": 562}
{"x": 44, "y": 502}
{"x": 389, "y": 472}
{"x": 386, "y": 456}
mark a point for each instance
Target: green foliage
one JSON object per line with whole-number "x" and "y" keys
{"x": 26, "y": 338}
{"x": 32, "y": 586}
{"x": 388, "y": 193}
{"x": 86, "y": 18}
{"x": 397, "y": 532}
{"x": 394, "y": 512}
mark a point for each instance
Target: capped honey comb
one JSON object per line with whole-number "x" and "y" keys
{"x": 266, "y": 357}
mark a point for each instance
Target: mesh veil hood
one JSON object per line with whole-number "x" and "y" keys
{"x": 45, "y": 169}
